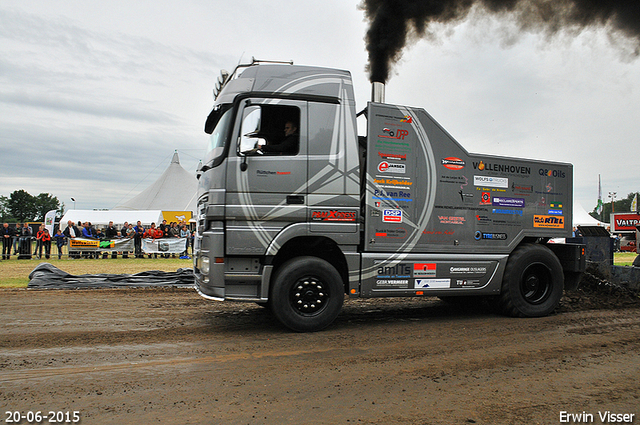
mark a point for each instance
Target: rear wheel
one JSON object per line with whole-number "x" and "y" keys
{"x": 533, "y": 282}
{"x": 306, "y": 294}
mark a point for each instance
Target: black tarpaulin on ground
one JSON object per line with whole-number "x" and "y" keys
{"x": 48, "y": 276}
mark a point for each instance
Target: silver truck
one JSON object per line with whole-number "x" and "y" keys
{"x": 295, "y": 210}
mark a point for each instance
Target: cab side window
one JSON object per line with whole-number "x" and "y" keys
{"x": 270, "y": 130}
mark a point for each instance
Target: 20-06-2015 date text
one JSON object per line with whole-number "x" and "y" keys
{"x": 38, "y": 417}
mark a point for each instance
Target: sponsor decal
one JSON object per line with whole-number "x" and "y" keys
{"x": 552, "y": 173}
{"x": 474, "y": 283}
{"x": 432, "y": 283}
{"x": 555, "y": 212}
{"x": 548, "y": 221}
{"x": 424, "y": 269}
{"x": 393, "y": 182}
{"x": 464, "y": 197}
{"x": 83, "y": 243}
{"x": 501, "y": 168}
{"x": 397, "y": 271}
{"x": 393, "y": 283}
{"x": 439, "y": 232}
{"x": 452, "y": 207}
{"x": 482, "y": 219}
{"x": 387, "y": 167}
{"x": 490, "y": 181}
{"x": 407, "y": 119}
{"x": 393, "y": 156}
{"x": 451, "y": 179}
{"x": 386, "y": 195}
{"x": 389, "y": 133}
{"x": 333, "y": 215}
{"x": 490, "y": 236}
{"x": 523, "y": 188}
{"x": 506, "y": 211}
{"x": 468, "y": 270}
{"x": 397, "y": 233}
{"x": 375, "y": 213}
{"x": 265, "y": 173}
{"x": 499, "y": 201}
{"x": 485, "y": 198}
{"x": 450, "y": 219}
{"x": 392, "y": 216}
{"x": 393, "y": 145}
{"x": 453, "y": 163}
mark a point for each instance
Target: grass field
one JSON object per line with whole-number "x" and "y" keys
{"x": 14, "y": 273}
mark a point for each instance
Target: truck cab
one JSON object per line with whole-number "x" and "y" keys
{"x": 295, "y": 211}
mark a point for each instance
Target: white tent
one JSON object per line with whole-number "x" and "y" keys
{"x": 582, "y": 218}
{"x": 175, "y": 190}
{"x": 118, "y": 217}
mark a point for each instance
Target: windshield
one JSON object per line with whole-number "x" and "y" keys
{"x": 219, "y": 134}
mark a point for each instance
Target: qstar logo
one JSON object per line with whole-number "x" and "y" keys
{"x": 407, "y": 119}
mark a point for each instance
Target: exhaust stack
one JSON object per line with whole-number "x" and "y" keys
{"x": 377, "y": 92}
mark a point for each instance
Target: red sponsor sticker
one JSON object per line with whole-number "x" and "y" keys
{"x": 453, "y": 163}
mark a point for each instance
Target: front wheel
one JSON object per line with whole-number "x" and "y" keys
{"x": 306, "y": 294}
{"x": 533, "y": 282}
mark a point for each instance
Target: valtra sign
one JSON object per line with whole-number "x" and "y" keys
{"x": 624, "y": 222}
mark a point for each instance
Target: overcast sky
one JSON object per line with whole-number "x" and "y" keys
{"x": 95, "y": 97}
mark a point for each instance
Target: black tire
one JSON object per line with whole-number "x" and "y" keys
{"x": 306, "y": 294}
{"x": 533, "y": 282}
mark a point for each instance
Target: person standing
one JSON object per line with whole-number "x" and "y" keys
{"x": 25, "y": 241}
{"x": 38, "y": 250}
{"x": 7, "y": 234}
{"x": 123, "y": 234}
{"x": 186, "y": 234}
{"x": 137, "y": 239}
{"x": 110, "y": 233}
{"x": 16, "y": 237}
{"x": 72, "y": 232}
{"x": 153, "y": 233}
{"x": 60, "y": 238}
{"x": 45, "y": 242}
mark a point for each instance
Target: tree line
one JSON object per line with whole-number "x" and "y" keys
{"x": 22, "y": 207}
{"x": 621, "y": 206}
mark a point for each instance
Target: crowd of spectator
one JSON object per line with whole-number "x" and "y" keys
{"x": 15, "y": 238}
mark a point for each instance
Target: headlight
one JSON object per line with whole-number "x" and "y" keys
{"x": 205, "y": 265}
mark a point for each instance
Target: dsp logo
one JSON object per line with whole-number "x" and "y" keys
{"x": 392, "y": 216}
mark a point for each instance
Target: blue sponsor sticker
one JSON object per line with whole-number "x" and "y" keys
{"x": 506, "y": 211}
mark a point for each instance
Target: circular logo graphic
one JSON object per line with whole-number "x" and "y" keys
{"x": 383, "y": 166}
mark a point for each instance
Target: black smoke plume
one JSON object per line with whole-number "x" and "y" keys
{"x": 394, "y": 23}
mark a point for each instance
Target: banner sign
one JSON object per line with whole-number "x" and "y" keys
{"x": 164, "y": 245}
{"x": 81, "y": 244}
{"x": 624, "y": 222}
{"x": 49, "y": 219}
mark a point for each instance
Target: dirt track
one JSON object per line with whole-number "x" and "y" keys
{"x": 168, "y": 356}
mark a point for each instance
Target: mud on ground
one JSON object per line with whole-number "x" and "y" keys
{"x": 167, "y": 356}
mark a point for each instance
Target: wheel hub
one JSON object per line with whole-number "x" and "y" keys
{"x": 309, "y": 296}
